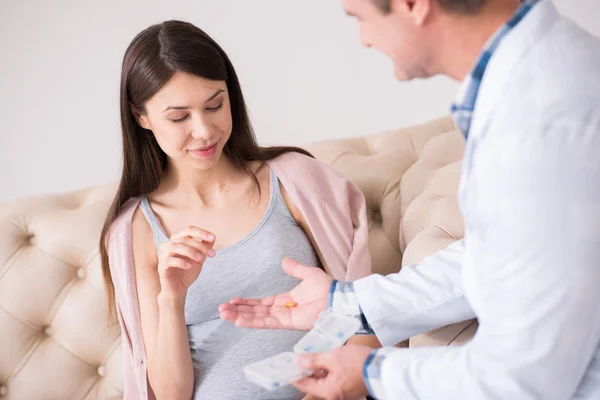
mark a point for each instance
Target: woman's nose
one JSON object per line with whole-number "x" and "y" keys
{"x": 200, "y": 130}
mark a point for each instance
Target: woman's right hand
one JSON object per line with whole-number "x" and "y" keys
{"x": 180, "y": 260}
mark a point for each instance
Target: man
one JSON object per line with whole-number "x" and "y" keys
{"x": 529, "y": 265}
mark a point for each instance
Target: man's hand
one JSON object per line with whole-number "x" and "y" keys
{"x": 309, "y": 298}
{"x": 338, "y": 374}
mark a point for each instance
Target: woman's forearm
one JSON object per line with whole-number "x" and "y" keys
{"x": 170, "y": 370}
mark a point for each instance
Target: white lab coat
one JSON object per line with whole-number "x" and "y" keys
{"x": 529, "y": 265}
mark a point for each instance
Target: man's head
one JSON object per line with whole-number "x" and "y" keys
{"x": 448, "y": 5}
{"x": 416, "y": 34}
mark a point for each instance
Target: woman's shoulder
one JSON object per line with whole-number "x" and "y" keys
{"x": 122, "y": 222}
{"x": 313, "y": 177}
{"x": 298, "y": 164}
{"x": 131, "y": 230}
{"x": 131, "y": 219}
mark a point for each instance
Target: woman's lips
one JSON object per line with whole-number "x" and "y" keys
{"x": 205, "y": 152}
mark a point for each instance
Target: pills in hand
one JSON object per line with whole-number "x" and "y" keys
{"x": 331, "y": 330}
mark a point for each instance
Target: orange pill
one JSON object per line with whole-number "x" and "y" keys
{"x": 291, "y": 304}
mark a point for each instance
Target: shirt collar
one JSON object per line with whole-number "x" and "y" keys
{"x": 462, "y": 109}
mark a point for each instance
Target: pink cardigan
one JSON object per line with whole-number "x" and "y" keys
{"x": 333, "y": 208}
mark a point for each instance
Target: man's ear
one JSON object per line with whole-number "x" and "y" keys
{"x": 416, "y": 10}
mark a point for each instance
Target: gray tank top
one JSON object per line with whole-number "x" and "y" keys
{"x": 249, "y": 268}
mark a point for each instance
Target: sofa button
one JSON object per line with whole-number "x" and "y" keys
{"x": 101, "y": 371}
{"x": 80, "y": 273}
{"x": 377, "y": 216}
{"x": 3, "y": 390}
{"x": 30, "y": 239}
{"x": 48, "y": 331}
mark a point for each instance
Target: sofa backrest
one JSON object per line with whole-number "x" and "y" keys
{"x": 409, "y": 177}
{"x": 55, "y": 341}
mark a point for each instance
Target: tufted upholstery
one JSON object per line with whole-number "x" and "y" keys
{"x": 55, "y": 341}
{"x": 408, "y": 175}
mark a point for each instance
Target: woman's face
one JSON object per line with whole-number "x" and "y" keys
{"x": 190, "y": 117}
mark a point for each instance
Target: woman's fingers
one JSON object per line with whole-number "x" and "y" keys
{"x": 178, "y": 262}
{"x": 202, "y": 247}
{"x": 186, "y": 248}
{"x": 252, "y": 320}
{"x": 196, "y": 233}
{"x": 183, "y": 250}
{"x": 266, "y": 301}
{"x": 259, "y": 310}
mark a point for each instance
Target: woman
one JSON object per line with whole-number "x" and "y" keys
{"x": 203, "y": 213}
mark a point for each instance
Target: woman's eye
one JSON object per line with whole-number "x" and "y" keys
{"x": 211, "y": 109}
{"x": 180, "y": 119}
{"x": 215, "y": 108}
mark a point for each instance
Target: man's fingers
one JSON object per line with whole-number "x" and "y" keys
{"x": 314, "y": 386}
{"x": 320, "y": 384}
{"x": 313, "y": 361}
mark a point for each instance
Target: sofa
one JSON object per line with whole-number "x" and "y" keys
{"x": 55, "y": 339}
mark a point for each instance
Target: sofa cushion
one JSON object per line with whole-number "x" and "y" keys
{"x": 55, "y": 339}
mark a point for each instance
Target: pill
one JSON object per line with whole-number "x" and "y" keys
{"x": 290, "y": 304}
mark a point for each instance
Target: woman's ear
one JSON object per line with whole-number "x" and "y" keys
{"x": 142, "y": 120}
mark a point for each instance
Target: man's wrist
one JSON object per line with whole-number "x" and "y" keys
{"x": 332, "y": 289}
{"x": 343, "y": 299}
{"x": 372, "y": 371}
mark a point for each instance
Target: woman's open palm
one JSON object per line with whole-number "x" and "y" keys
{"x": 297, "y": 309}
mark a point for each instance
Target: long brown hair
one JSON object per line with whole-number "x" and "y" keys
{"x": 150, "y": 61}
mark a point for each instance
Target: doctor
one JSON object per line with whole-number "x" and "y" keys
{"x": 529, "y": 265}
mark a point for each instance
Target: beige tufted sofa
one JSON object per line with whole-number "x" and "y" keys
{"x": 55, "y": 341}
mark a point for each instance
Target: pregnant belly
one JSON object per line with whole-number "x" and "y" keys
{"x": 219, "y": 360}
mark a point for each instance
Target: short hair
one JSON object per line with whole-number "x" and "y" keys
{"x": 455, "y": 6}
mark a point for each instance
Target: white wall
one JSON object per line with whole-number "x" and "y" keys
{"x": 303, "y": 71}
